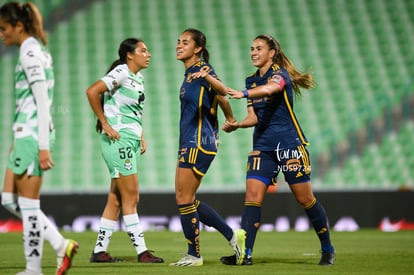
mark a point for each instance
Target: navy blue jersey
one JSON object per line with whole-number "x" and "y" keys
{"x": 277, "y": 126}
{"x": 198, "y": 121}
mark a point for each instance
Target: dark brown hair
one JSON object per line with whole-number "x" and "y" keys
{"x": 200, "y": 41}
{"x": 26, "y": 13}
{"x": 127, "y": 46}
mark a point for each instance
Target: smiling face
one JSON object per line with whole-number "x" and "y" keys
{"x": 186, "y": 49}
{"x": 11, "y": 35}
{"x": 139, "y": 58}
{"x": 261, "y": 54}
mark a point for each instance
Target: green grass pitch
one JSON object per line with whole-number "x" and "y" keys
{"x": 366, "y": 251}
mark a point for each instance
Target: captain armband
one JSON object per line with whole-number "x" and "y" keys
{"x": 279, "y": 80}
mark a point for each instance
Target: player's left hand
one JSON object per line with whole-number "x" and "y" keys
{"x": 45, "y": 160}
{"x": 235, "y": 93}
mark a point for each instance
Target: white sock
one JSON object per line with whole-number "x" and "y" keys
{"x": 9, "y": 201}
{"x": 52, "y": 235}
{"x": 135, "y": 232}
{"x": 106, "y": 228}
{"x": 33, "y": 233}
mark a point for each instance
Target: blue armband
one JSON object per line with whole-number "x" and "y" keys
{"x": 245, "y": 93}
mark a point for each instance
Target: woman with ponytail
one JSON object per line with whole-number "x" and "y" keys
{"x": 117, "y": 99}
{"x": 279, "y": 143}
{"x": 21, "y": 25}
{"x": 200, "y": 94}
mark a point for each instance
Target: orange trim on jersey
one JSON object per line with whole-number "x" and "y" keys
{"x": 292, "y": 116}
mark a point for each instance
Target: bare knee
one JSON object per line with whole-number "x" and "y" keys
{"x": 114, "y": 200}
{"x": 186, "y": 185}
{"x": 303, "y": 194}
{"x": 255, "y": 191}
{"x": 306, "y": 201}
{"x": 184, "y": 197}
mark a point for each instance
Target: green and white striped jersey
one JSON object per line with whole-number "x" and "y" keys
{"x": 34, "y": 64}
{"x": 124, "y": 101}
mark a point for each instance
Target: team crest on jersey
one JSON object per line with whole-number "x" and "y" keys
{"x": 128, "y": 164}
{"x": 189, "y": 78}
{"x": 115, "y": 87}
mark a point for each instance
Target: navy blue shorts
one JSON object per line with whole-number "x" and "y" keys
{"x": 266, "y": 165}
{"x": 197, "y": 159}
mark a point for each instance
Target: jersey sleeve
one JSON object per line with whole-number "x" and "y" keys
{"x": 115, "y": 78}
{"x": 32, "y": 66}
{"x": 212, "y": 72}
{"x": 278, "y": 78}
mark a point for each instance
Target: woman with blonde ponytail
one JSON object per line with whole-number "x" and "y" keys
{"x": 21, "y": 25}
{"x": 279, "y": 143}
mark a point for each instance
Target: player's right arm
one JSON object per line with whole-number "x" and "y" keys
{"x": 93, "y": 92}
{"x": 226, "y": 108}
{"x": 249, "y": 121}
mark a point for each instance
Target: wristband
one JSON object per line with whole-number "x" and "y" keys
{"x": 245, "y": 93}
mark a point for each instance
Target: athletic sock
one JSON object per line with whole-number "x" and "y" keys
{"x": 106, "y": 228}
{"x": 251, "y": 223}
{"x": 191, "y": 226}
{"x": 135, "y": 232}
{"x": 52, "y": 235}
{"x": 33, "y": 233}
{"x": 210, "y": 217}
{"x": 9, "y": 201}
{"x": 318, "y": 218}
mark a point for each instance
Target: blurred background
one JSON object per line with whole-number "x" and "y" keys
{"x": 359, "y": 120}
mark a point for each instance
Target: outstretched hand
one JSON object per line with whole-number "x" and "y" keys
{"x": 235, "y": 93}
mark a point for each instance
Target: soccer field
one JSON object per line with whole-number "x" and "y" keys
{"x": 361, "y": 252}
